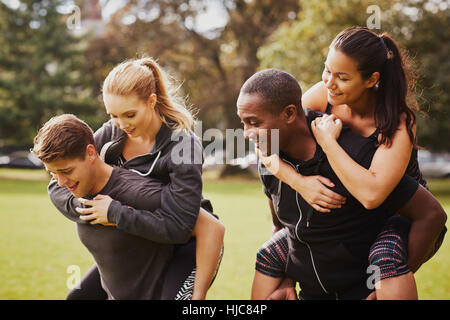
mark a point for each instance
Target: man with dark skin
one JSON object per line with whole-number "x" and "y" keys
{"x": 271, "y": 100}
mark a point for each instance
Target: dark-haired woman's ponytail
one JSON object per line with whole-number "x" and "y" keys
{"x": 392, "y": 93}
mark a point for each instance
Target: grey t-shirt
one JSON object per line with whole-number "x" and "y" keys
{"x": 131, "y": 267}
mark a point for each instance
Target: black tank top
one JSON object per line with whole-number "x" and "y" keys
{"x": 412, "y": 170}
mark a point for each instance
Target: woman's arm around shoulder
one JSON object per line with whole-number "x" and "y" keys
{"x": 315, "y": 190}
{"x": 174, "y": 221}
{"x": 390, "y": 163}
{"x": 316, "y": 97}
{"x": 373, "y": 185}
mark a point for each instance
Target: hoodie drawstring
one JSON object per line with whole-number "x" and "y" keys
{"x": 151, "y": 168}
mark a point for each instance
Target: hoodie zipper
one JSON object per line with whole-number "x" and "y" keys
{"x": 304, "y": 242}
{"x": 308, "y": 216}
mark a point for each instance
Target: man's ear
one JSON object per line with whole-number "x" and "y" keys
{"x": 91, "y": 152}
{"x": 289, "y": 113}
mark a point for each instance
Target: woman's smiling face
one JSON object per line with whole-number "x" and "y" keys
{"x": 129, "y": 113}
{"x": 343, "y": 79}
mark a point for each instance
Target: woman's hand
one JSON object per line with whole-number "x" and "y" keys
{"x": 326, "y": 129}
{"x": 314, "y": 189}
{"x": 98, "y": 211}
{"x": 272, "y": 162}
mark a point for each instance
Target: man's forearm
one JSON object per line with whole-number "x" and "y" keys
{"x": 427, "y": 221}
{"x": 422, "y": 238}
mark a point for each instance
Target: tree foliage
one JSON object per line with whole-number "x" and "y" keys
{"x": 211, "y": 65}
{"x": 427, "y": 37}
{"x": 45, "y": 70}
{"x": 40, "y": 70}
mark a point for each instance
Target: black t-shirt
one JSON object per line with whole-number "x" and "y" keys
{"x": 328, "y": 252}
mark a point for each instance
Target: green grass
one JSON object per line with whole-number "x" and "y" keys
{"x": 38, "y": 244}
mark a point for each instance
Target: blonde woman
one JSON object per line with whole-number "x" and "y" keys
{"x": 149, "y": 132}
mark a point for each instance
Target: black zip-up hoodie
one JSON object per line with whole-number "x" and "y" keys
{"x": 181, "y": 197}
{"x": 328, "y": 252}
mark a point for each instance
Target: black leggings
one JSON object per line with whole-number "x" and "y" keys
{"x": 178, "y": 282}
{"x": 89, "y": 288}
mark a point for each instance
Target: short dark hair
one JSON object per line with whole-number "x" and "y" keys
{"x": 278, "y": 88}
{"x": 63, "y": 137}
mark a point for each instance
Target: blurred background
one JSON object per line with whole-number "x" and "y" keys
{"x": 55, "y": 54}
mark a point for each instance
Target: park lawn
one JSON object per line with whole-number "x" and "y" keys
{"x": 38, "y": 244}
{"x": 433, "y": 278}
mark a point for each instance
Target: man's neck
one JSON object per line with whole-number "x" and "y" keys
{"x": 301, "y": 144}
{"x": 102, "y": 173}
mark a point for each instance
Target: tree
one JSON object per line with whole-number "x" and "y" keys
{"x": 301, "y": 47}
{"x": 212, "y": 65}
{"x": 40, "y": 70}
{"x": 423, "y": 32}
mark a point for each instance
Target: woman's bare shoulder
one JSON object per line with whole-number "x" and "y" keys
{"x": 316, "y": 97}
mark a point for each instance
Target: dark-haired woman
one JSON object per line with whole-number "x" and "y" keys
{"x": 365, "y": 85}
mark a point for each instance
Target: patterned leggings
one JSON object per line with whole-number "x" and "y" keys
{"x": 388, "y": 252}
